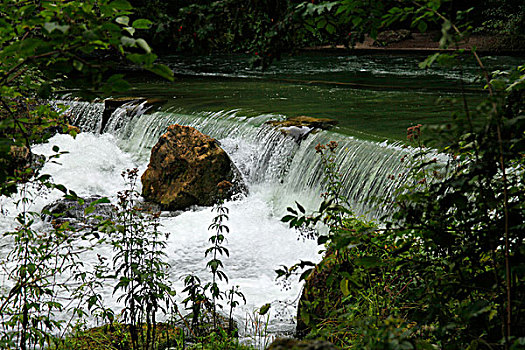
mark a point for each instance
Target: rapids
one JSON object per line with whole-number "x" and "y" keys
{"x": 278, "y": 170}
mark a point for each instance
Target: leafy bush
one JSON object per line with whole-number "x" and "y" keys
{"x": 448, "y": 267}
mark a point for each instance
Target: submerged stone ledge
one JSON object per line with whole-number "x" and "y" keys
{"x": 300, "y": 127}
{"x": 111, "y": 104}
{"x": 304, "y": 121}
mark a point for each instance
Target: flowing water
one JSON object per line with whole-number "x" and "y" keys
{"x": 231, "y": 103}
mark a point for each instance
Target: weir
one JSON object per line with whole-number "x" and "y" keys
{"x": 264, "y": 154}
{"x": 277, "y": 169}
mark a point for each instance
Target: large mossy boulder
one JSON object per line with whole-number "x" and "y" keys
{"x": 321, "y": 295}
{"x": 185, "y": 168}
{"x": 20, "y": 164}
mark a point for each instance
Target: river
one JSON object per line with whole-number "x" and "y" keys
{"x": 374, "y": 99}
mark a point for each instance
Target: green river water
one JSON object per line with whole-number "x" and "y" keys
{"x": 372, "y": 97}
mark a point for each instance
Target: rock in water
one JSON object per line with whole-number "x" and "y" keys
{"x": 304, "y": 121}
{"x": 74, "y": 211}
{"x": 185, "y": 168}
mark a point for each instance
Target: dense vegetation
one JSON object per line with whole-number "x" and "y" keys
{"x": 273, "y": 27}
{"x": 446, "y": 270}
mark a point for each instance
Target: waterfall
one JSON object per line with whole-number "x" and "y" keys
{"x": 87, "y": 116}
{"x": 265, "y": 154}
{"x": 278, "y": 171}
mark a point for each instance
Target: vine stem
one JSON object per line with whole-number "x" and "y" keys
{"x": 507, "y": 245}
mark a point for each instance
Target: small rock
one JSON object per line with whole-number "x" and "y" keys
{"x": 392, "y": 36}
{"x": 299, "y": 133}
{"x": 20, "y": 160}
{"x": 304, "y": 121}
{"x": 70, "y": 210}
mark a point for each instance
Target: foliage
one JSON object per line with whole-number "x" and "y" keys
{"x": 447, "y": 270}
{"x": 471, "y": 221}
{"x": 215, "y": 264}
{"x": 34, "y": 266}
{"x": 257, "y": 327}
{"x": 139, "y": 265}
{"x": 361, "y": 282}
{"x": 437, "y": 274}
{"x": 115, "y": 336}
{"x": 46, "y": 45}
{"x": 42, "y": 304}
{"x": 266, "y": 29}
{"x": 43, "y": 46}
{"x": 497, "y": 17}
{"x": 197, "y": 292}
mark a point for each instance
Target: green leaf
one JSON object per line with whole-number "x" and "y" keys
{"x": 136, "y": 58}
{"x": 124, "y": 20}
{"x": 162, "y": 71}
{"x": 330, "y": 28}
{"x": 322, "y": 240}
{"x": 305, "y": 316}
{"x": 120, "y": 5}
{"x": 61, "y": 188}
{"x": 87, "y": 7}
{"x": 429, "y": 61}
{"x": 287, "y": 218}
{"x": 116, "y": 83}
{"x": 422, "y": 26}
{"x": 368, "y": 261}
{"x": 89, "y": 210}
{"x": 51, "y": 26}
{"x": 356, "y": 21}
{"x": 103, "y": 200}
{"x": 142, "y": 24}
{"x": 142, "y": 59}
{"x": 264, "y": 309}
{"x": 144, "y": 45}
{"x": 130, "y": 30}
{"x": 78, "y": 65}
{"x": 300, "y": 207}
{"x": 306, "y": 273}
{"x": 127, "y": 41}
{"x": 343, "y": 285}
{"x": 44, "y": 90}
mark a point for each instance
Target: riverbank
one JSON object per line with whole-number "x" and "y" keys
{"x": 426, "y": 43}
